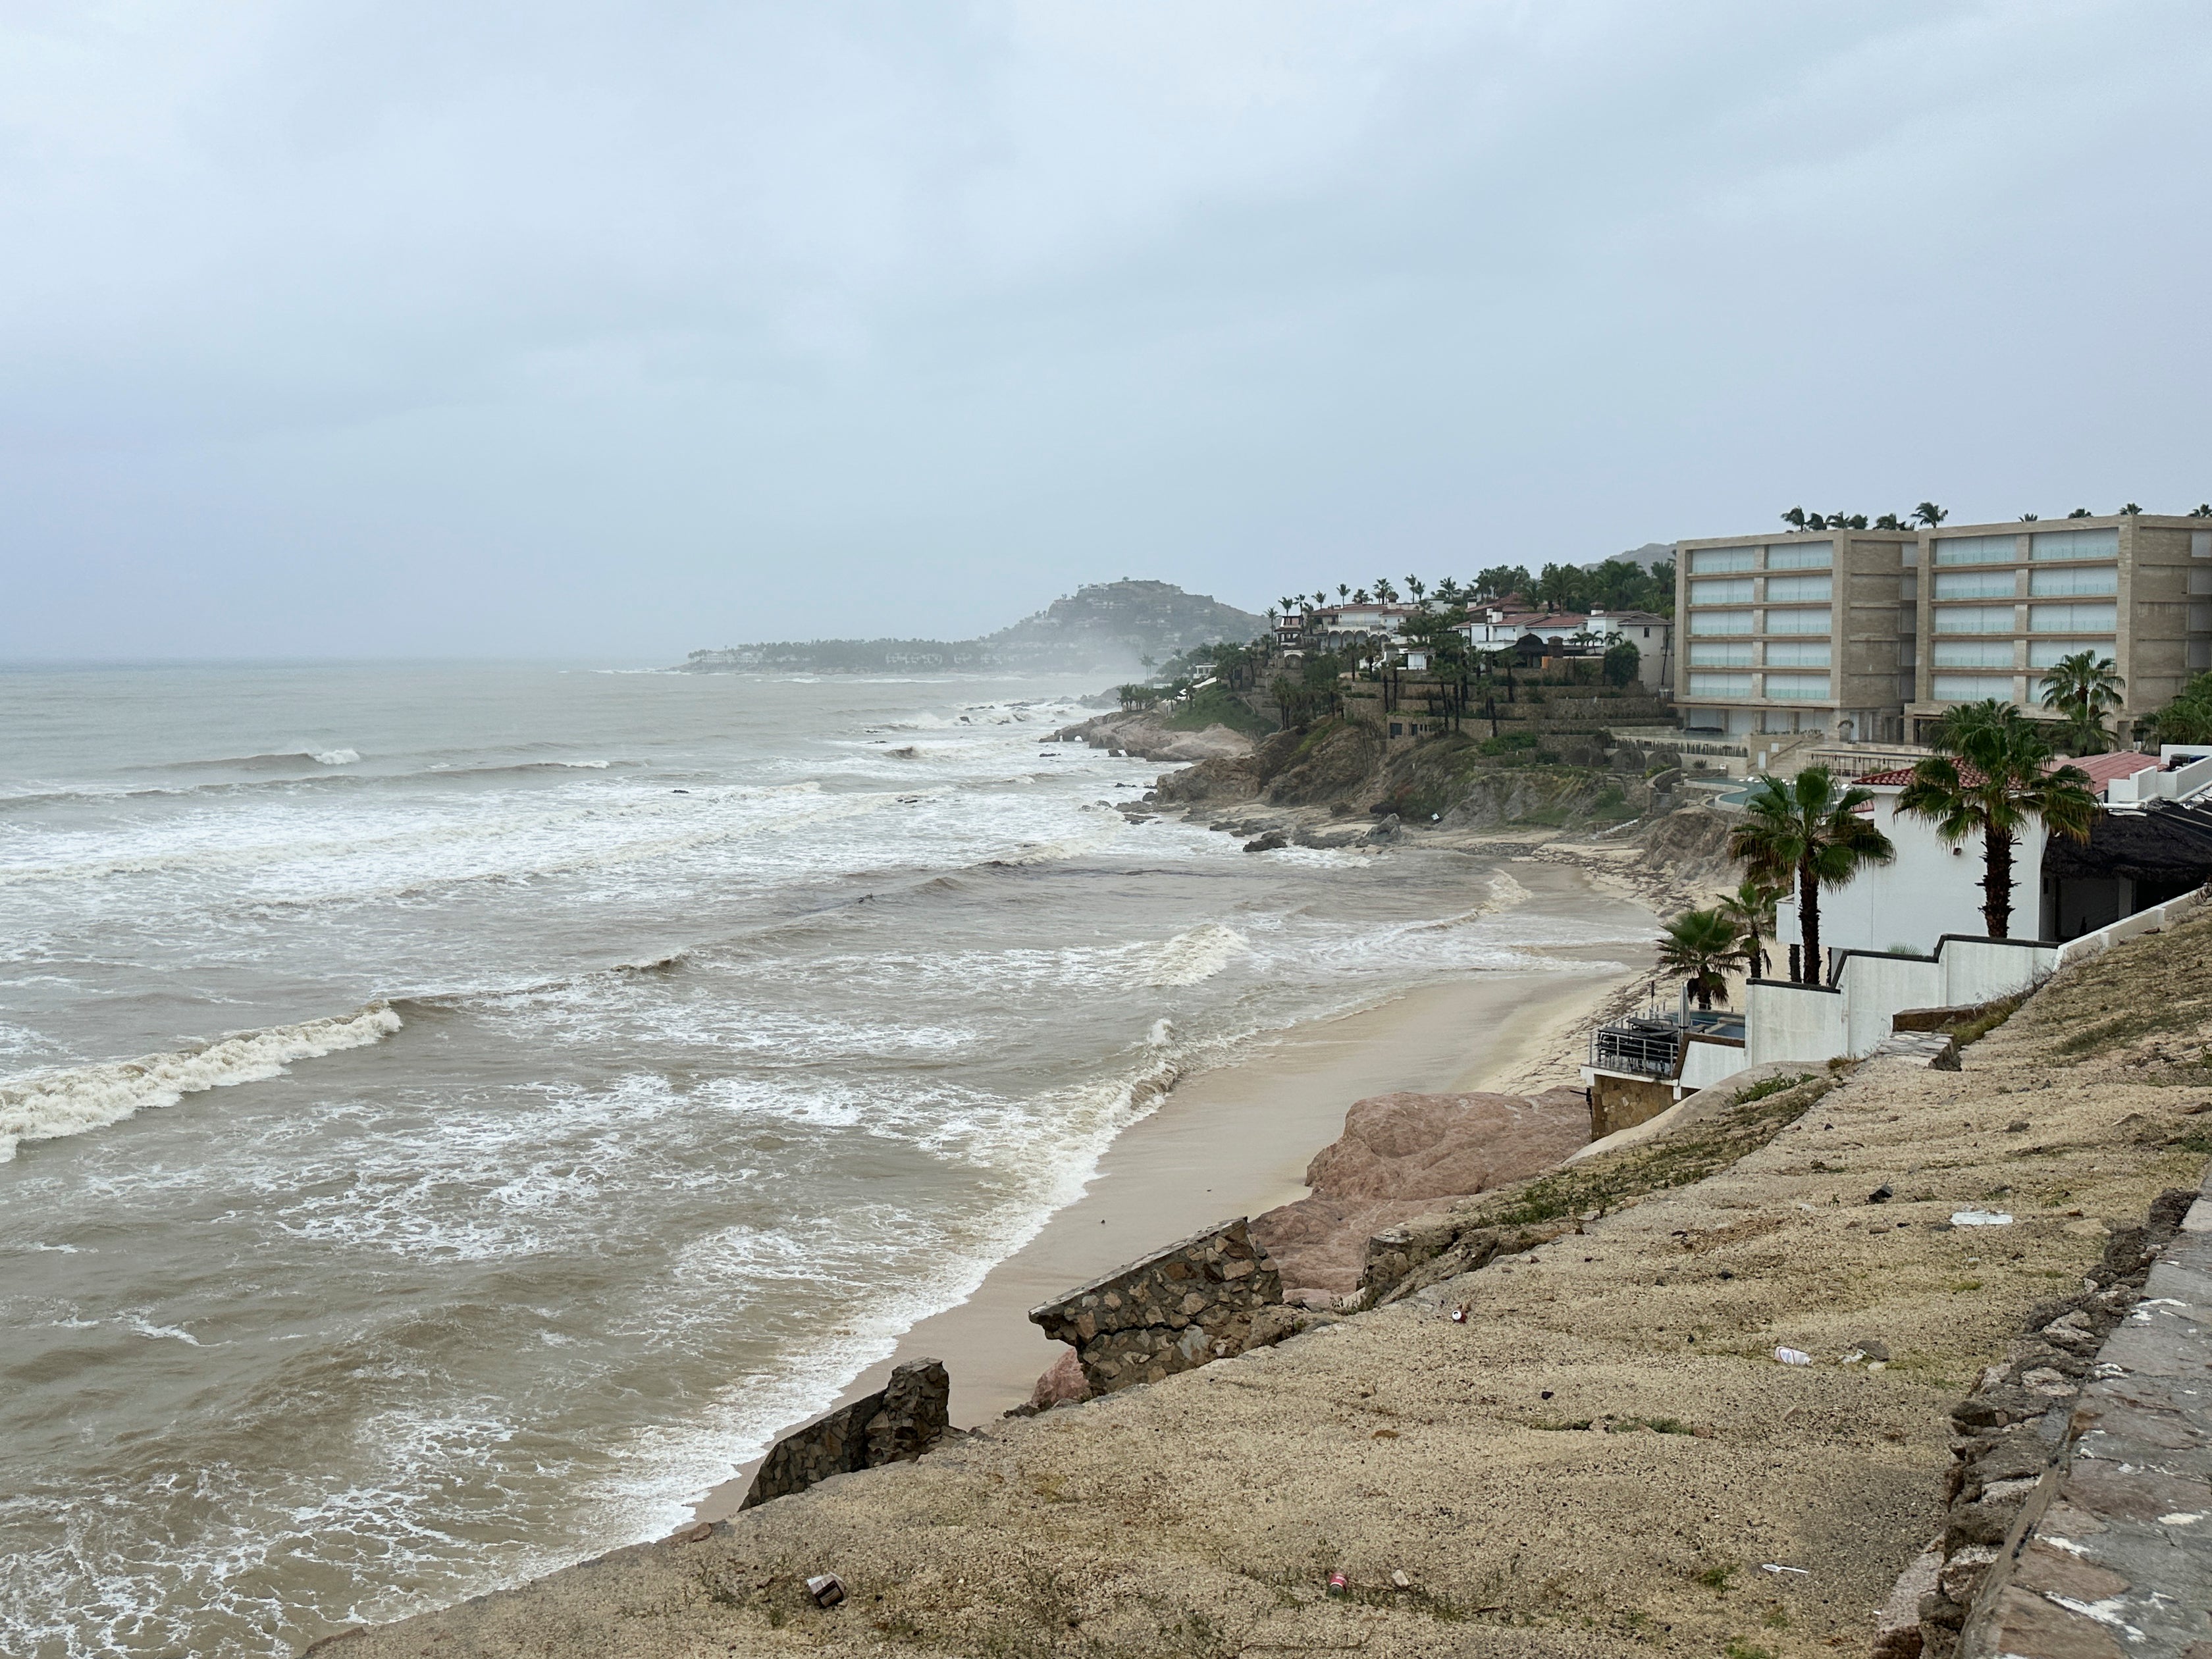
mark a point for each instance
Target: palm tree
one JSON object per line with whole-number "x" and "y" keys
{"x": 1807, "y": 832}
{"x": 1751, "y": 909}
{"x": 1992, "y": 777}
{"x": 1359, "y": 596}
{"x": 1701, "y": 946}
{"x": 2081, "y": 688}
{"x": 2129, "y": 510}
{"x": 1929, "y": 514}
{"x": 1416, "y": 586}
{"x": 2080, "y": 513}
{"x": 1795, "y": 517}
{"x": 2202, "y": 510}
{"x": 1343, "y": 591}
{"x": 1383, "y": 591}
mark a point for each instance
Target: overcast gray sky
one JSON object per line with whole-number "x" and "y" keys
{"x": 331, "y": 327}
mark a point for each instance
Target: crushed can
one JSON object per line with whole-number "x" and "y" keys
{"x": 826, "y": 1590}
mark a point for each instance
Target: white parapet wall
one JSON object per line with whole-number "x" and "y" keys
{"x": 2153, "y": 921}
{"x": 1782, "y": 1021}
{"x": 1855, "y": 1015}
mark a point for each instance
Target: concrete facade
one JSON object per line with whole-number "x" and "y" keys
{"x": 1809, "y": 632}
{"x": 1923, "y": 621}
{"x": 1999, "y": 604}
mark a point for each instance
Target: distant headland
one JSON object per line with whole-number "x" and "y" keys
{"x": 1108, "y": 627}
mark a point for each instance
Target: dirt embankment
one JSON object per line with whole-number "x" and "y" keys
{"x": 1585, "y": 1448}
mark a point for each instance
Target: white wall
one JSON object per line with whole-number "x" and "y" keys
{"x": 1927, "y": 892}
{"x": 1705, "y": 1064}
{"x": 1792, "y": 1022}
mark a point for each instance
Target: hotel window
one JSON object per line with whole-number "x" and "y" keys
{"x": 1721, "y": 656}
{"x": 1798, "y": 622}
{"x": 1971, "y": 653}
{"x": 1797, "y": 653}
{"x": 2073, "y": 618}
{"x": 1801, "y": 555}
{"x": 1973, "y": 619}
{"x": 2083, "y": 578}
{"x": 1720, "y": 622}
{"x": 1728, "y": 593}
{"x": 1973, "y": 584}
{"x": 1972, "y": 688}
{"x": 1797, "y": 687}
{"x": 2076, "y": 543}
{"x": 2200, "y": 543}
{"x": 1720, "y": 685}
{"x": 2046, "y": 653}
{"x": 1781, "y": 590}
{"x": 1718, "y": 561}
{"x": 1977, "y": 549}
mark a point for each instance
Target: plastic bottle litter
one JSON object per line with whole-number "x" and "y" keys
{"x": 1771, "y": 1566}
{"x": 827, "y": 1588}
{"x": 1792, "y": 1356}
{"x": 1337, "y": 1584}
{"x": 1980, "y": 1219}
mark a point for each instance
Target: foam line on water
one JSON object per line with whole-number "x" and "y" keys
{"x": 48, "y": 1105}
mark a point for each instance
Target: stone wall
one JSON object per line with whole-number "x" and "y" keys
{"x": 2014, "y": 1435}
{"x": 1622, "y": 1102}
{"x": 1178, "y": 1308}
{"x": 894, "y": 1425}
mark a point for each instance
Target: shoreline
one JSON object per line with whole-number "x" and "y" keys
{"x": 1236, "y": 1139}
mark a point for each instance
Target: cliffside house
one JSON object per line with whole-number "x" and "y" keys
{"x": 2152, "y": 841}
{"x": 1910, "y": 935}
{"x": 1652, "y": 635}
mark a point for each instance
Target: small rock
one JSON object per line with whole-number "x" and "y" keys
{"x": 1274, "y": 841}
{"x": 1400, "y": 1580}
{"x": 2017, "y": 1127}
{"x": 1883, "y": 1194}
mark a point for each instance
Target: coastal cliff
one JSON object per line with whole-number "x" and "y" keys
{"x": 1691, "y": 1396}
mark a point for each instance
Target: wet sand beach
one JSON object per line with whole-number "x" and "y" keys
{"x": 1237, "y": 1139}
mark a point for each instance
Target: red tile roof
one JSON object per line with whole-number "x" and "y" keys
{"x": 2103, "y": 770}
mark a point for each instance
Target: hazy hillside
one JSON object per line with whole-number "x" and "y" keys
{"x": 1109, "y": 627}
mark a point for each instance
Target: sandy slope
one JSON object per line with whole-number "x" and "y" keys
{"x": 1200, "y": 1515}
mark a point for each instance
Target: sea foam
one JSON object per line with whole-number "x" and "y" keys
{"x": 47, "y": 1105}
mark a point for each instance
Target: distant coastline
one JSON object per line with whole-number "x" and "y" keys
{"x": 1107, "y": 628}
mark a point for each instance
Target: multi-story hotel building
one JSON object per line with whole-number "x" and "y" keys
{"x": 1797, "y": 633}
{"x": 1871, "y": 635}
{"x": 2000, "y": 604}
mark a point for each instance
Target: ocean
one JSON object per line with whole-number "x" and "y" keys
{"x": 451, "y": 1115}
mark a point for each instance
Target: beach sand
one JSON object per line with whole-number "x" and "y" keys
{"x": 1236, "y": 1141}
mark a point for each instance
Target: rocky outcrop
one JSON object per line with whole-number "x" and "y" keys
{"x": 1334, "y": 761}
{"x": 1177, "y": 1308}
{"x": 1063, "y": 1383}
{"x": 894, "y": 1425}
{"x": 1147, "y": 737}
{"x": 1399, "y": 1155}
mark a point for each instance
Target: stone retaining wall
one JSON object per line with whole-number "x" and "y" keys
{"x": 2013, "y": 1434}
{"x": 896, "y": 1425}
{"x": 1176, "y": 1309}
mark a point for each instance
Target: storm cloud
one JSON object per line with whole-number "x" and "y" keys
{"x": 351, "y": 329}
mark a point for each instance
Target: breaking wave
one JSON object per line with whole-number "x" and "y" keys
{"x": 64, "y": 1100}
{"x": 1198, "y": 954}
